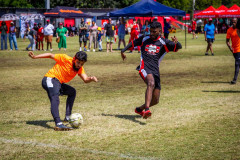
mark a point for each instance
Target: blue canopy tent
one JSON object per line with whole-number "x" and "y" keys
{"x": 147, "y": 8}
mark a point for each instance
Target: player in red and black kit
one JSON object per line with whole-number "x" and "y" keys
{"x": 153, "y": 49}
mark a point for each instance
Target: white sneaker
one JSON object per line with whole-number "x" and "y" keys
{"x": 88, "y": 50}
{"x": 80, "y": 49}
{"x": 51, "y": 50}
{"x": 196, "y": 37}
{"x": 93, "y": 50}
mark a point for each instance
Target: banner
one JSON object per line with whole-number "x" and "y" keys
{"x": 187, "y": 17}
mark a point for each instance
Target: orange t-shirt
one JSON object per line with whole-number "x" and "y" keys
{"x": 63, "y": 69}
{"x": 232, "y": 33}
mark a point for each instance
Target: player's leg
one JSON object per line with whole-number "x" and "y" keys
{"x": 210, "y": 47}
{"x": 53, "y": 86}
{"x": 237, "y": 65}
{"x": 71, "y": 93}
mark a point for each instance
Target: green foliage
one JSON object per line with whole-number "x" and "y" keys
{"x": 185, "y": 5}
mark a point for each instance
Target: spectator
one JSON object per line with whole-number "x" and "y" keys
{"x": 48, "y": 33}
{"x": 194, "y": 29}
{"x": 209, "y": 32}
{"x": 61, "y": 33}
{"x": 109, "y": 32}
{"x": 73, "y": 30}
{"x": 199, "y": 25}
{"x": 134, "y": 34}
{"x": 32, "y": 37}
{"x": 36, "y": 40}
{"x": 146, "y": 28}
{"x": 166, "y": 28}
{"x": 121, "y": 33}
{"x": 99, "y": 35}
{"x": 3, "y": 30}
{"x": 82, "y": 34}
{"x": 40, "y": 36}
{"x": 232, "y": 33}
{"x": 12, "y": 36}
{"x": 93, "y": 36}
{"x": 140, "y": 27}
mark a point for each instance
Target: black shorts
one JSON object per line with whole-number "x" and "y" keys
{"x": 144, "y": 72}
{"x": 210, "y": 40}
{"x": 82, "y": 38}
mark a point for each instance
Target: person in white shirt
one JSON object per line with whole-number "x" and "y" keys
{"x": 48, "y": 34}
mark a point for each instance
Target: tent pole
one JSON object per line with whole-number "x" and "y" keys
{"x": 185, "y": 32}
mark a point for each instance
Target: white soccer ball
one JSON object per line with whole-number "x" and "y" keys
{"x": 75, "y": 120}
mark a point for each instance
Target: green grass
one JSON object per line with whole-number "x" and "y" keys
{"x": 198, "y": 116}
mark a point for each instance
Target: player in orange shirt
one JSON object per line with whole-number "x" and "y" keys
{"x": 54, "y": 81}
{"x": 232, "y": 33}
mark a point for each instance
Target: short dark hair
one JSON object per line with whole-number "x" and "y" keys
{"x": 156, "y": 25}
{"x": 81, "y": 56}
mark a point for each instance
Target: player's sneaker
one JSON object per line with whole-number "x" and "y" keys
{"x": 141, "y": 113}
{"x": 206, "y": 54}
{"x": 147, "y": 114}
{"x": 233, "y": 82}
{"x": 66, "y": 119}
{"x": 61, "y": 127}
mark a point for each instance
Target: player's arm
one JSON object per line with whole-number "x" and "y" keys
{"x": 136, "y": 42}
{"x": 87, "y": 79}
{"x": 44, "y": 55}
{"x": 228, "y": 44}
{"x": 173, "y": 45}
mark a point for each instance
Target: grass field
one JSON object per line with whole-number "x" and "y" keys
{"x": 198, "y": 116}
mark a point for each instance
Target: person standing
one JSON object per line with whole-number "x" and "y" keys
{"x": 83, "y": 35}
{"x": 153, "y": 49}
{"x": 209, "y": 32}
{"x": 54, "y": 82}
{"x": 194, "y": 24}
{"x": 48, "y": 33}
{"x": 3, "y": 30}
{"x": 146, "y": 28}
{"x": 36, "y": 40}
{"x": 93, "y": 36}
{"x": 40, "y": 36}
{"x": 61, "y": 33}
{"x": 32, "y": 38}
{"x": 109, "y": 32}
{"x": 99, "y": 35}
{"x": 166, "y": 29}
{"x": 12, "y": 36}
{"x": 232, "y": 33}
{"x": 134, "y": 34}
{"x": 121, "y": 33}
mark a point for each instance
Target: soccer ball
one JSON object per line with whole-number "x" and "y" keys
{"x": 75, "y": 120}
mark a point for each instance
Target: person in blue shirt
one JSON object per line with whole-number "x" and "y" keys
{"x": 99, "y": 38}
{"x": 166, "y": 29}
{"x": 146, "y": 28}
{"x": 121, "y": 32}
{"x": 209, "y": 32}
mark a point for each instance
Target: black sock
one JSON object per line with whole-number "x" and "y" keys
{"x": 147, "y": 108}
{"x": 138, "y": 109}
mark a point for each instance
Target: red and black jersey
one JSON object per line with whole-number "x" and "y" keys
{"x": 152, "y": 52}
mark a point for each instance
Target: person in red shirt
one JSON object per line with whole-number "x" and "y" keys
{"x": 233, "y": 34}
{"x": 54, "y": 82}
{"x": 194, "y": 24}
{"x": 40, "y": 36}
{"x": 134, "y": 34}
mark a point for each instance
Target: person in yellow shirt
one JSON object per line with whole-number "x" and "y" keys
{"x": 233, "y": 34}
{"x": 54, "y": 82}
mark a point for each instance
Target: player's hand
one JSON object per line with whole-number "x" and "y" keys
{"x": 31, "y": 54}
{"x": 174, "y": 39}
{"x": 123, "y": 56}
{"x": 93, "y": 78}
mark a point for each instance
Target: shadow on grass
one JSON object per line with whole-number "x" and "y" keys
{"x": 42, "y": 123}
{"x": 215, "y": 82}
{"x": 128, "y": 117}
{"x": 230, "y": 91}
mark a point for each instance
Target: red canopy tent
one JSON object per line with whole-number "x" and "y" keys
{"x": 210, "y": 12}
{"x": 221, "y": 9}
{"x": 233, "y": 11}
